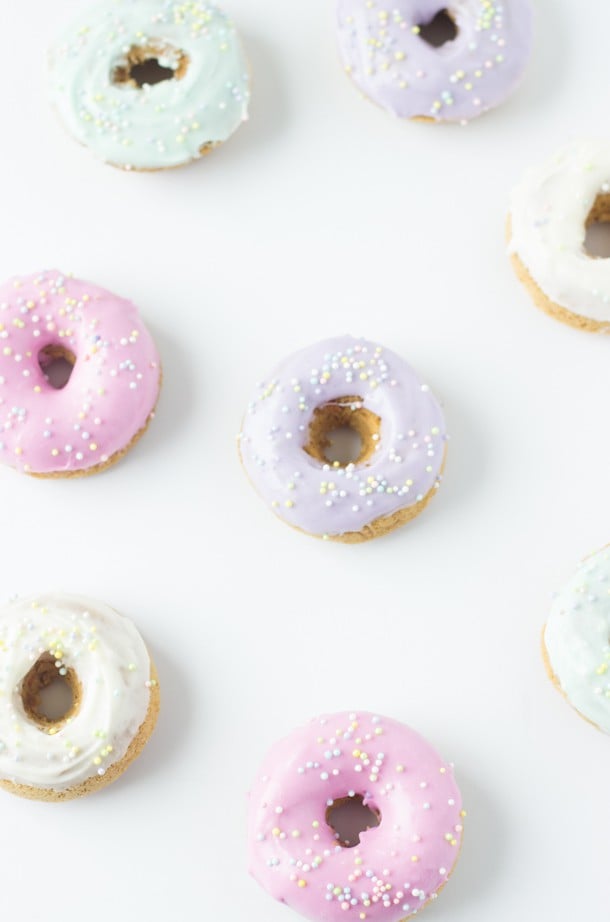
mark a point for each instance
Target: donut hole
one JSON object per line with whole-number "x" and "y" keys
{"x": 343, "y": 432}
{"x": 147, "y": 65}
{"x": 50, "y": 693}
{"x": 56, "y": 363}
{"x": 344, "y": 446}
{"x": 440, "y": 30}
{"x": 348, "y": 817}
{"x": 597, "y": 228}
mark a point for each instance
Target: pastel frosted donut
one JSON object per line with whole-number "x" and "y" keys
{"x": 101, "y": 658}
{"x": 576, "y": 640}
{"x": 336, "y": 383}
{"x": 406, "y": 820}
{"x": 113, "y": 388}
{"x": 386, "y": 51}
{"x": 150, "y": 84}
{"x": 550, "y": 210}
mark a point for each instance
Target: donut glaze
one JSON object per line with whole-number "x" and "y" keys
{"x": 577, "y": 639}
{"x": 384, "y": 53}
{"x": 111, "y": 393}
{"x": 549, "y": 211}
{"x": 398, "y": 865}
{"x": 325, "y": 499}
{"x": 161, "y": 124}
{"x": 113, "y": 670}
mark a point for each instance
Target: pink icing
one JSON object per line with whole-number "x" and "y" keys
{"x": 397, "y": 866}
{"x": 114, "y": 383}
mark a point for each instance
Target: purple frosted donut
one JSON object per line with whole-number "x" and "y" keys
{"x": 393, "y": 52}
{"x": 402, "y": 848}
{"x": 288, "y": 432}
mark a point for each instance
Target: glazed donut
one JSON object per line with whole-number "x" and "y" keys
{"x": 549, "y": 213}
{"x": 115, "y": 696}
{"x": 385, "y": 50}
{"x": 344, "y": 382}
{"x": 150, "y": 84}
{"x": 113, "y": 388}
{"x": 576, "y": 640}
{"x": 404, "y": 855}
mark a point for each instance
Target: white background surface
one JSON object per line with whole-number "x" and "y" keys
{"x": 323, "y": 215}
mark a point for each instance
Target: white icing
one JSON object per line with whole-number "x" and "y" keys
{"x": 112, "y": 665}
{"x": 549, "y": 209}
{"x": 577, "y": 639}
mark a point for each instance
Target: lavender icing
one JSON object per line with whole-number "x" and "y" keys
{"x": 384, "y": 53}
{"x": 327, "y": 500}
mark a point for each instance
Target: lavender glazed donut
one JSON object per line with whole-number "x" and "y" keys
{"x": 402, "y": 857}
{"x": 113, "y": 388}
{"x": 344, "y": 382}
{"x": 386, "y": 52}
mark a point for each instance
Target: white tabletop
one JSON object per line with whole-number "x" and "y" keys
{"x": 323, "y": 215}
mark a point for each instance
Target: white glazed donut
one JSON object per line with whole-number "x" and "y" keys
{"x": 197, "y": 92}
{"x": 549, "y": 213}
{"x": 101, "y": 656}
{"x": 577, "y": 640}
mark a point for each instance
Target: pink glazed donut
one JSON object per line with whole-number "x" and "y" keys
{"x": 111, "y": 392}
{"x": 402, "y": 859}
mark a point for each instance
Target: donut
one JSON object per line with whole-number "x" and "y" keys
{"x": 150, "y": 84}
{"x": 421, "y": 60}
{"x": 550, "y": 211}
{"x": 403, "y": 796}
{"x": 103, "y": 663}
{"x": 576, "y": 640}
{"x": 112, "y": 390}
{"x": 344, "y": 383}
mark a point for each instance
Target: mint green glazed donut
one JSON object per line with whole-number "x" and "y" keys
{"x": 150, "y": 84}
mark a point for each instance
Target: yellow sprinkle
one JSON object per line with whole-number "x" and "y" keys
{"x": 302, "y": 883}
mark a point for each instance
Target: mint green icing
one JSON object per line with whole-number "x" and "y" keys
{"x": 160, "y": 125}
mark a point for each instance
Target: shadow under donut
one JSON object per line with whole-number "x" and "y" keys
{"x": 481, "y": 855}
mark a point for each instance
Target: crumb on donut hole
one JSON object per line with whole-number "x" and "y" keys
{"x": 349, "y": 816}
{"x": 146, "y": 65}
{"x": 50, "y": 715}
{"x": 597, "y": 240}
{"x": 342, "y": 413}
